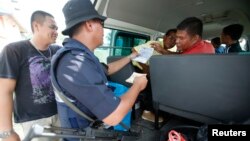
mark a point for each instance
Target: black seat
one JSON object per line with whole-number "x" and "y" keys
{"x": 122, "y": 74}
{"x": 205, "y": 88}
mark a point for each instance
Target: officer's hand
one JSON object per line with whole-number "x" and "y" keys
{"x": 141, "y": 81}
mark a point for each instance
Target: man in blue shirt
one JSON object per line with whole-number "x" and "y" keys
{"x": 219, "y": 49}
{"x": 80, "y": 74}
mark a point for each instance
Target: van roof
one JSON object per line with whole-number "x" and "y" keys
{"x": 160, "y": 15}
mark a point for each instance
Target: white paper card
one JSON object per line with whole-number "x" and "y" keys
{"x": 132, "y": 77}
{"x": 144, "y": 54}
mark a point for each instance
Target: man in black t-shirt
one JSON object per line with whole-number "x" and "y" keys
{"x": 25, "y": 71}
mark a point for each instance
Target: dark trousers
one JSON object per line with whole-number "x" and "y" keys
{"x": 147, "y": 99}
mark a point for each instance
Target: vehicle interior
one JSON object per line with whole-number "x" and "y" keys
{"x": 193, "y": 85}
{"x": 136, "y": 22}
{"x": 151, "y": 17}
{"x": 133, "y": 22}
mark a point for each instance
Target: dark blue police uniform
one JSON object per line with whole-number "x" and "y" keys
{"x": 81, "y": 76}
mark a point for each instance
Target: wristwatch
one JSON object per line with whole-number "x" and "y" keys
{"x": 6, "y": 134}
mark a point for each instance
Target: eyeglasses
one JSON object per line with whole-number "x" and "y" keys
{"x": 102, "y": 23}
{"x": 99, "y": 21}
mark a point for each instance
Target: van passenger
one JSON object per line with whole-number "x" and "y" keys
{"x": 230, "y": 36}
{"x": 189, "y": 37}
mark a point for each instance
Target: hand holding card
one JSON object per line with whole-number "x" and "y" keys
{"x": 132, "y": 77}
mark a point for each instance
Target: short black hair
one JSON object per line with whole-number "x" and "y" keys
{"x": 170, "y": 30}
{"x": 75, "y": 29}
{"x": 192, "y": 25}
{"x": 39, "y": 16}
{"x": 234, "y": 31}
{"x": 216, "y": 41}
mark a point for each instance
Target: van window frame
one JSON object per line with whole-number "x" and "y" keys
{"x": 113, "y": 49}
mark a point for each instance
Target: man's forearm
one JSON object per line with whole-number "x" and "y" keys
{"x": 7, "y": 87}
{"x": 127, "y": 101}
{"x": 117, "y": 65}
{"x": 6, "y": 108}
{"x": 130, "y": 97}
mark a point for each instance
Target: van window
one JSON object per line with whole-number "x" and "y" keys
{"x": 243, "y": 43}
{"x": 118, "y": 43}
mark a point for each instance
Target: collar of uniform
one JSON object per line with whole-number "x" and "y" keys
{"x": 74, "y": 44}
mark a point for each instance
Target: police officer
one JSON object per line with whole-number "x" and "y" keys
{"x": 80, "y": 74}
